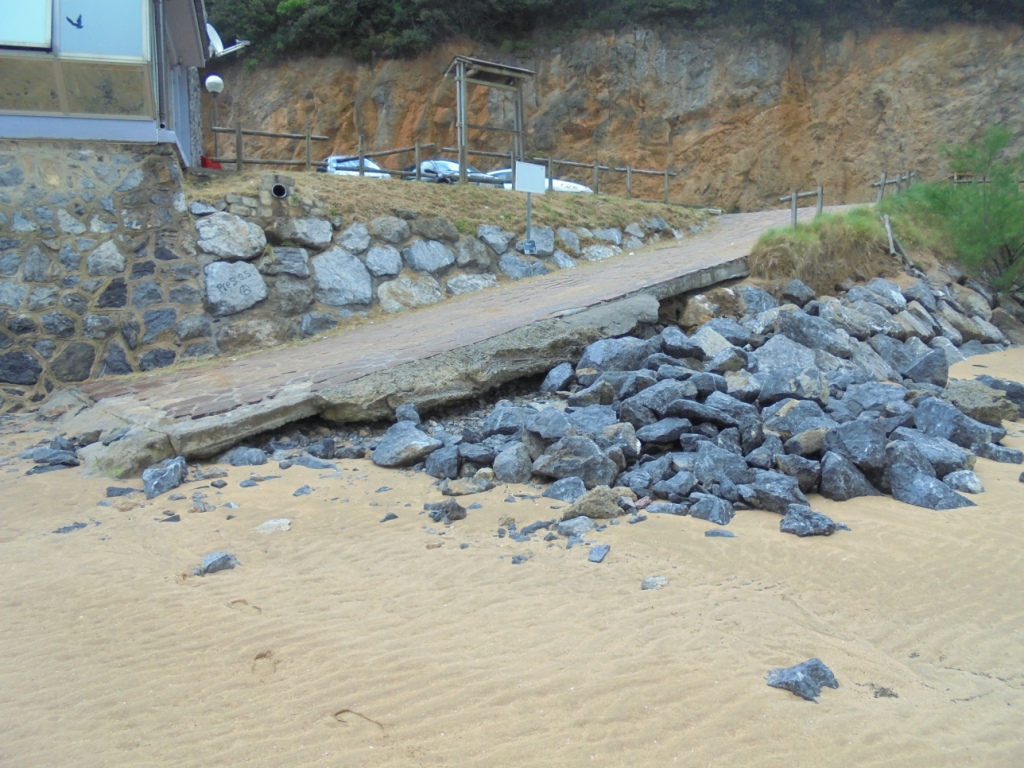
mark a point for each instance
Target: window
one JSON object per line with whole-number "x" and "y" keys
{"x": 26, "y": 23}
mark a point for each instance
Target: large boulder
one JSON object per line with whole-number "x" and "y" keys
{"x": 428, "y": 256}
{"x": 308, "y": 232}
{"x": 232, "y": 287}
{"x": 921, "y": 490}
{"x": 230, "y": 237}
{"x": 937, "y": 418}
{"x": 576, "y": 456}
{"x": 341, "y": 279}
{"x": 403, "y": 445}
{"x": 841, "y": 480}
{"x": 408, "y": 291}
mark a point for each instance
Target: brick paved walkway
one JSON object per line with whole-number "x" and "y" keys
{"x": 223, "y": 385}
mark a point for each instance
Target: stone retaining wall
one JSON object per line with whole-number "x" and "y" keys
{"x": 105, "y": 269}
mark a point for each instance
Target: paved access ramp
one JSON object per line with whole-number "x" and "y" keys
{"x": 433, "y": 356}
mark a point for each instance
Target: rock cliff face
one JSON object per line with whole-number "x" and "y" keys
{"x": 744, "y": 121}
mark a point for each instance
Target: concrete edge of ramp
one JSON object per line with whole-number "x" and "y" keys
{"x": 442, "y": 379}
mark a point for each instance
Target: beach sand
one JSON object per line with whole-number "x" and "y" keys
{"x": 350, "y": 642}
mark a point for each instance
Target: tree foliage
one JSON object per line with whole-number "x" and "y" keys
{"x": 394, "y": 28}
{"x": 982, "y": 217}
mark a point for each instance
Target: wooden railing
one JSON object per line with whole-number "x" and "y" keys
{"x": 597, "y": 170}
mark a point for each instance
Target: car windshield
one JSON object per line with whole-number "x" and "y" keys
{"x": 352, "y": 164}
{"x": 450, "y": 166}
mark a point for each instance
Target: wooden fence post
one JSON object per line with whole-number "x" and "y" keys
{"x": 881, "y": 187}
{"x": 416, "y": 154}
{"x": 309, "y": 146}
{"x": 238, "y": 146}
{"x": 629, "y": 180}
{"x": 821, "y": 201}
{"x": 597, "y": 178}
{"x": 792, "y": 208}
{"x": 666, "y": 186}
{"x": 362, "y": 165}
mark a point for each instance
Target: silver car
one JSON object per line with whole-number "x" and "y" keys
{"x": 344, "y": 165}
{"x": 557, "y": 185}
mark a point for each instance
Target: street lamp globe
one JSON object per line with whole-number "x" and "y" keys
{"x": 214, "y": 84}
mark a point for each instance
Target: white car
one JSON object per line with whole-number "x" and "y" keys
{"x": 558, "y": 185}
{"x": 344, "y": 165}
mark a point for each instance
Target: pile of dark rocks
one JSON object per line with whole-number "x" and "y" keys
{"x": 798, "y": 394}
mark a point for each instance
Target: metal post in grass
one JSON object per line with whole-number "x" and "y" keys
{"x": 597, "y": 178}
{"x": 238, "y": 146}
{"x": 309, "y": 146}
{"x": 792, "y": 207}
{"x": 362, "y": 162}
{"x": 416, "y": 156}
{"x": 666, "y": 185}
{"x": 629, "y": 180}
{"x": 821, "y": 201}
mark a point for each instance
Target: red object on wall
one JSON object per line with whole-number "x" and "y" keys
{"x": 205, "y": 162}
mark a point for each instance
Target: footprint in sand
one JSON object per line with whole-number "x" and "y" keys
{"x": 264, "y": 664}
{"x": 244, "y": 606}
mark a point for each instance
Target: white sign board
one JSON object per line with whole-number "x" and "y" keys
{"x": 530, "y": 177}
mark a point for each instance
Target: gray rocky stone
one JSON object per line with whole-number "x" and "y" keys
{"x": 390, "y": 229}
{"x": 156, "y": 358}
{"x": 889, "y": 294}
{"x": 428, "y": 256}
{"x": 1000, "y": 453}
{"x": 805, "y": 680}
{"x": 513, "y": 465}
{"x": 434, "y": 228}
{"x": 797, "y": 292}
{"x": 443, "y": 463}
{"x": 74, "y": 363}
{"x": 356, "y": 238}
{"x": 383, "y": 261}
{"x": 599, "y": 252}
{"x": 315, "y": 323}
{"x": 611, "y": 235}
{"x": 341, "y": 279}
{"x": 244, "y": 456}
{"x": 921, "y": 490}
{"x": 988, "y": 400}
{"x": 285, "y": 260}
{"x": 217, "y": 561}
{"x": 470, "y": 252}
{"x": 408, "y": 291}
{"x": 543, "y": 240}
{"x": 230, "y": 237}
{"x": 403, "y": 445}
{"x": 576, "y": 456}
{"x": 290, "y": 297}
{"x": 599, "y": 503}
{"x": 938, "y": 418}
{"x": 802, "y": 521}
{"x": 164, "y": 476}
{"x": 516, "y": 267}
{"x": 232, "y": 287}
{"x": 569, "y": 240}
{"x": 813, "y": 332}
{"x": 862, "y": 442}
{"x": 19, "y": 368}
{"x": 568, "y": 489}
{"x": 558, "y": 378}
{"x": 576, "y": 527}
{"x": 105, "y": 261}
{"x": 841, "y": 480}
{"x": 805, "y": 471}
{"x": 460, "y": 284}
{"x": 943, "y": 455}
{"x": 158, "y": 321}
{"x": 308, "y": 232}
{"x": 931, "y": 368}
{"x": 495, "y": 237}
{"x": 964, "y": 481}
{"x": 712, "y": 509}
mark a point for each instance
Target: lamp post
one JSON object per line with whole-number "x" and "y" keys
{"x": 214, "y": 85}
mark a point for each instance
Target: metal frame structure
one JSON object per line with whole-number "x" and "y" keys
{"x": 469, "y": 71}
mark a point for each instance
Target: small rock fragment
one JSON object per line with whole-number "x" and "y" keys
{"x": 217, "y": 561}
{"x": 273, "y": 525}
{"x": 805, "y": 680}
{"x": 653, "y": 582}
{"x": 598, "y": 553}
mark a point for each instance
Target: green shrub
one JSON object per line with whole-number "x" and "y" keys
{"x": 980, "y": 221}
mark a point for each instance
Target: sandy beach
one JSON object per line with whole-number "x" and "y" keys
{"x": 351, "y": 642}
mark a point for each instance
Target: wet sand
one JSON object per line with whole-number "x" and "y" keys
{"x": 350, "y": 642}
